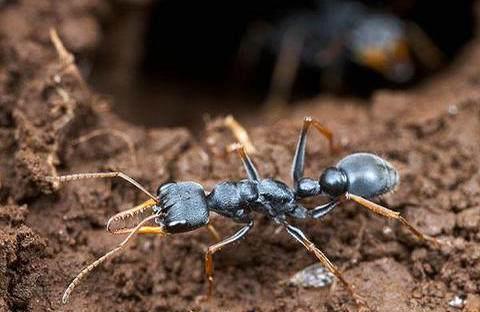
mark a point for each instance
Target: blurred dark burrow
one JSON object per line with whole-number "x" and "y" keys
{"x": 169, "y": 63}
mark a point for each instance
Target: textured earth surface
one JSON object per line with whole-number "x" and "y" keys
{"x": 47, "y": 233}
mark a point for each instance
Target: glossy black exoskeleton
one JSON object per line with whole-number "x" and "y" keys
{"x": 341, "y": 45}
{"x": 185, "y": 206}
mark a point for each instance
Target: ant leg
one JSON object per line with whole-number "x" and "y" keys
{"x": 100, "y": 260}
{"x": 300, "y": 237}
{"x": 320, "y": 211}
{"x": 99, "y": 175}
{"x": 239, "y": 133}
{"x": 143, "y": 230}
{"x": 299, "y": 158}
{"x": 250, "y": 49}
{"x": 252, "y": 172}
{"x": 218, "y": 246}
{"x": 424, "y": 48}
{"x": 213, "y": 231}
{"x": 385, "y": 212}
{"x": 285, "y": 69}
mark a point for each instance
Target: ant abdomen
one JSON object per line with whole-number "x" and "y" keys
{"x": 368, "y": 175}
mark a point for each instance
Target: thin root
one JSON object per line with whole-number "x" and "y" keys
{"x": 67, "y": 59}
{"x": 99, "y": 132}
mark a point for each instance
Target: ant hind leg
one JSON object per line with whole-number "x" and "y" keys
{"x": 310, "y": 246}
{"x": 384, "y": 212}
{"x": 298, "y": 163}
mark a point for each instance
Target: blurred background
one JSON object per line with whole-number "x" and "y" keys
{"x": 169, "y": 63}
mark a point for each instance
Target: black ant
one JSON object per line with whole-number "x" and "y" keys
{"x": 340, "y": 43}
{"x": 184, "y": 206}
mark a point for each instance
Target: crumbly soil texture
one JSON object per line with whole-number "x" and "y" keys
{"x": 48, "y": 232}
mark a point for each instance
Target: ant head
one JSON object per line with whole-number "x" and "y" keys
{"x": 163, "y": 186}
{"x": 333, "y": 182}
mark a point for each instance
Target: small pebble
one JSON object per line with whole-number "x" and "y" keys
{"x": 457, "y": 302}
{"x": 452, "y": 109}
{"x": 315, "y": 276}
{"x": 387, "y": 230}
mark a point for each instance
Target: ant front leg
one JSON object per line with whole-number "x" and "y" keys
{"x": 217, "y": 247}
{"x": 299, "y": 158}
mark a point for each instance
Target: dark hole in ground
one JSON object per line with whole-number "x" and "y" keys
{"x": 168, "y": 60}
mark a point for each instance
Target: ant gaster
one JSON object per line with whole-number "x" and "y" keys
{"x": 184, "y": 206}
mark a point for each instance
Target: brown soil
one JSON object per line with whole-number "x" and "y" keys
{"x": 47, "y": 235}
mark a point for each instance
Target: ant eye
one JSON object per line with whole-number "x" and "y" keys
{"x": 333, "y": 182}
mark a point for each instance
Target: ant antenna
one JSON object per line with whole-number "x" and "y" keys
{"x": 98, "y": 175}
{"x": 100, "y": 260}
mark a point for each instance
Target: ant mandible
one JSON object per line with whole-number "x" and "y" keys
{"x": 184, "y": 206}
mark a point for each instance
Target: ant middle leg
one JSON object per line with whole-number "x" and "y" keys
{"x": 385, "y": 212}
{"x": 217, "y": 247}
{"x": 310, "y": 246}
{"x": 322, "y": 210}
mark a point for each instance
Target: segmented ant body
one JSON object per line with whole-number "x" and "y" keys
{"x": 343, "y": 33}
{"x": 341, "y": 45}
{"x": 185, "y": 206}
